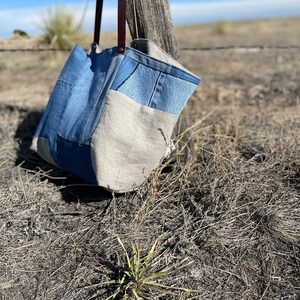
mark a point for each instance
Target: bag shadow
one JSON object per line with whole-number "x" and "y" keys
{"x": 72, "y": 188}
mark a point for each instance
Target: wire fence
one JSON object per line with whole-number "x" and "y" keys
{"x": 238, "y": 48}
{"x": 217, "y": 48}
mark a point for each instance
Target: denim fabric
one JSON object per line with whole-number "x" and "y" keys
{"x": 139, "y": 85}
{"x": 154, "y": 83}
{"x": 83, "y": 108}
{"x": 76, "y": 159}
{"x": 51, "y": 119}
{"x": 69, "y": 118}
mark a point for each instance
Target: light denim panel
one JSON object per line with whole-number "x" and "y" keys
{"x": 172, "y": 94}
{"x": 140, "y": 84}
{"x": 83, "y": 109}
{"x": 59, "y": 96}
{"x": 49, "y": 123}
{"x": 51, "y": 117}
{"x": 128, "y": 66}
{"x": 154, "y": 83}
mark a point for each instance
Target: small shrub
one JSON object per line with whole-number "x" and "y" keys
{"x": 138, "y": 279}
{"x": 220, "y": 28}
{"x": 18, "y": 33}
{"x": 59, "y": 27}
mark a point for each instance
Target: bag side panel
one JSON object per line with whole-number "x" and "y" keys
{"x": 128, "y": 142}
{"x": 45, "y": 136}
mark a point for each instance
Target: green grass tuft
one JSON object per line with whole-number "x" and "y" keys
{"x": 138, "y": 278}
{"x": 220, "y": 28}
{"x": 60, "y": 29}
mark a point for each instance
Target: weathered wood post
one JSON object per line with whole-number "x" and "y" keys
{"x": 153, "y": 21}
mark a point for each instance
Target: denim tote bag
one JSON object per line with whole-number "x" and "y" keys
{"x": 111, "y": 114}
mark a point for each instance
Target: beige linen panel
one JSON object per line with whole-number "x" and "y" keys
{"x": 128, "y": 142}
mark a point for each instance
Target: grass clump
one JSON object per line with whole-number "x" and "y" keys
{"x": 220, "y": 28}
{"x": 138, "y": 279}
{"x": 60, "y": 30}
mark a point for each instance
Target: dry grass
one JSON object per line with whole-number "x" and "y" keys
{"x": 60, "y": 29}
{"x": 227, "y": 199}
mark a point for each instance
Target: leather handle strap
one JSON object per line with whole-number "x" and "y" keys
{"x": 121, "y": 24}
{"x": 98, "y": 19}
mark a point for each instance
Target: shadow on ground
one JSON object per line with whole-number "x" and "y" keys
{"x": 72, "y": 188}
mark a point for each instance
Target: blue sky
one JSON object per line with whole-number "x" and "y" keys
{"x": 25, "y": 14}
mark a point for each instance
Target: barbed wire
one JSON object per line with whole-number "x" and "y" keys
{"x": 217, "y": 48}
{"x": 33, "y": 50}
{"x": 237, "y": 48}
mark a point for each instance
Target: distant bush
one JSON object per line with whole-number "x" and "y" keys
{"x": 59, "y": 27}
{"x": 18, "y": 33}
{"x": 220, "y": 28}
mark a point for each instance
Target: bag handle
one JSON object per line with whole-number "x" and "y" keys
{"x": 98, "y": 19}
{"x": 121, "y": 25}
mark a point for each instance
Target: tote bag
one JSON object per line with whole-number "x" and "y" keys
{"x": 111, "y": 114}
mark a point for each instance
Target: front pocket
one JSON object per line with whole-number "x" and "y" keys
{"x": 172, "y": 93}
{"x": 127, "y": 68}
{"x": 136, "y": 80}
{"x": 153, "y": 83}
{"x": 128, "y": 142}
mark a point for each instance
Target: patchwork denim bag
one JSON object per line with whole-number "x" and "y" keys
{"x": 111, "y": 114}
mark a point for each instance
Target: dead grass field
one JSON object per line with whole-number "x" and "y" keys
{"x": 228, "y": 199}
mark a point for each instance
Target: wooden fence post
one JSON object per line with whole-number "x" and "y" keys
{"x": 153, "y": 22}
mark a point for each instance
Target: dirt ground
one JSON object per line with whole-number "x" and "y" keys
{"x": 227, "y": 199}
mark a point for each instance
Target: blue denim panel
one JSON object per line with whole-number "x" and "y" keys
{"x": 73, "y": 67}
{"x": 182, "y": 74}
{"x": 60, "y": 93}
{"x": 75, "y": 159}
{"x": 140, "y": 85}
{"x": 82, "y": 112}
{"x": 127, "y": 67}
{"x": 48, "y": 125}
{"x": 170, "y": 87}
{"x": 161, "y": 66}
{"x": 147, "y": 60}
{"x": 53, "y": 111}
{"x": 172, "y": 94}
{"x": 98, "y": 100}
